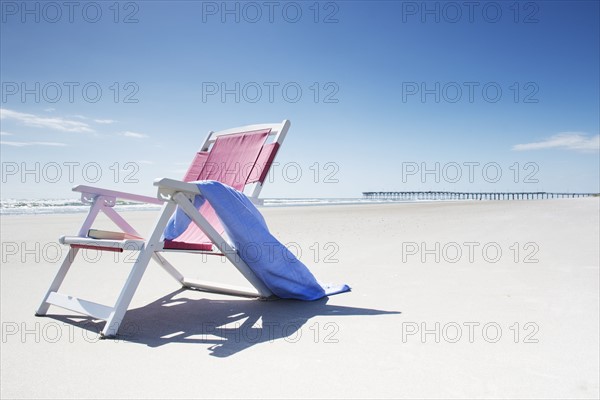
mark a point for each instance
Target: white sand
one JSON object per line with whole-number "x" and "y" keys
{"x": 355, "y": 345}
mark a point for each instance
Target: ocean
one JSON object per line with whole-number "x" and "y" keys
{"x": 70, "y": 206}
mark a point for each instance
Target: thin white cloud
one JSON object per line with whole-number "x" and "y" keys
{"x": 55, "y": 123}
{"x": 49, "y": 109}
{"x": 4, "y": 133}
{"x": 24, "y": 144}
{"x": 134, "y": 135}
{"x": 566, "y": 140}
{"x": 105, "y": 121}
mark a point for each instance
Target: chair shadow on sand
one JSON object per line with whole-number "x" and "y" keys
{"x": 230, "y": 325}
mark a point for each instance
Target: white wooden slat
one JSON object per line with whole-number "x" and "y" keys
{"x": 81, "y": 306}
{"x": 220, "y": 288}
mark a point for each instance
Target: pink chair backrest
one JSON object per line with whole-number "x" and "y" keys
{"x": 237, "y": 160}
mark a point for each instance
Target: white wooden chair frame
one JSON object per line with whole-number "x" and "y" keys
{"x": 171, "y": 193}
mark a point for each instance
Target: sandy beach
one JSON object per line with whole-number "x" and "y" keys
{"x": 490, "y": 299}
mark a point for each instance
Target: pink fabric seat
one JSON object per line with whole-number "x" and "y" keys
{"x": 236, "y": 160}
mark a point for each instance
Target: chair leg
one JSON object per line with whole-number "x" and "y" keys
{"x": 58, "y": 280}
{"x": 221, "y": 244}
{"x": 133, "y": 280}
{"x": 70, "y": 257}
{"x": 168, "y": 267}
{"x": 135, "y": 276}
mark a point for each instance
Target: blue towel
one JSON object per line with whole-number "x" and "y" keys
{"x": 285, "y": 275}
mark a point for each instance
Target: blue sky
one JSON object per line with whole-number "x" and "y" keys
{"x": 391, "y": 95}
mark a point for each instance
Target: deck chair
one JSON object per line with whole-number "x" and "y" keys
{"x": 239, "y": 157}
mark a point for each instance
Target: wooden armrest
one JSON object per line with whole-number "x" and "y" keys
{"x": 168, "y": 187}
{"x": 94, "y": 191}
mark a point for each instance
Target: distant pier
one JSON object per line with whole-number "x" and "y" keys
{"x": 431, "y": 195}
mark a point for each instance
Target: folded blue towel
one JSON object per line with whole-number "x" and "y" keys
{"x": 285, "y": 275}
